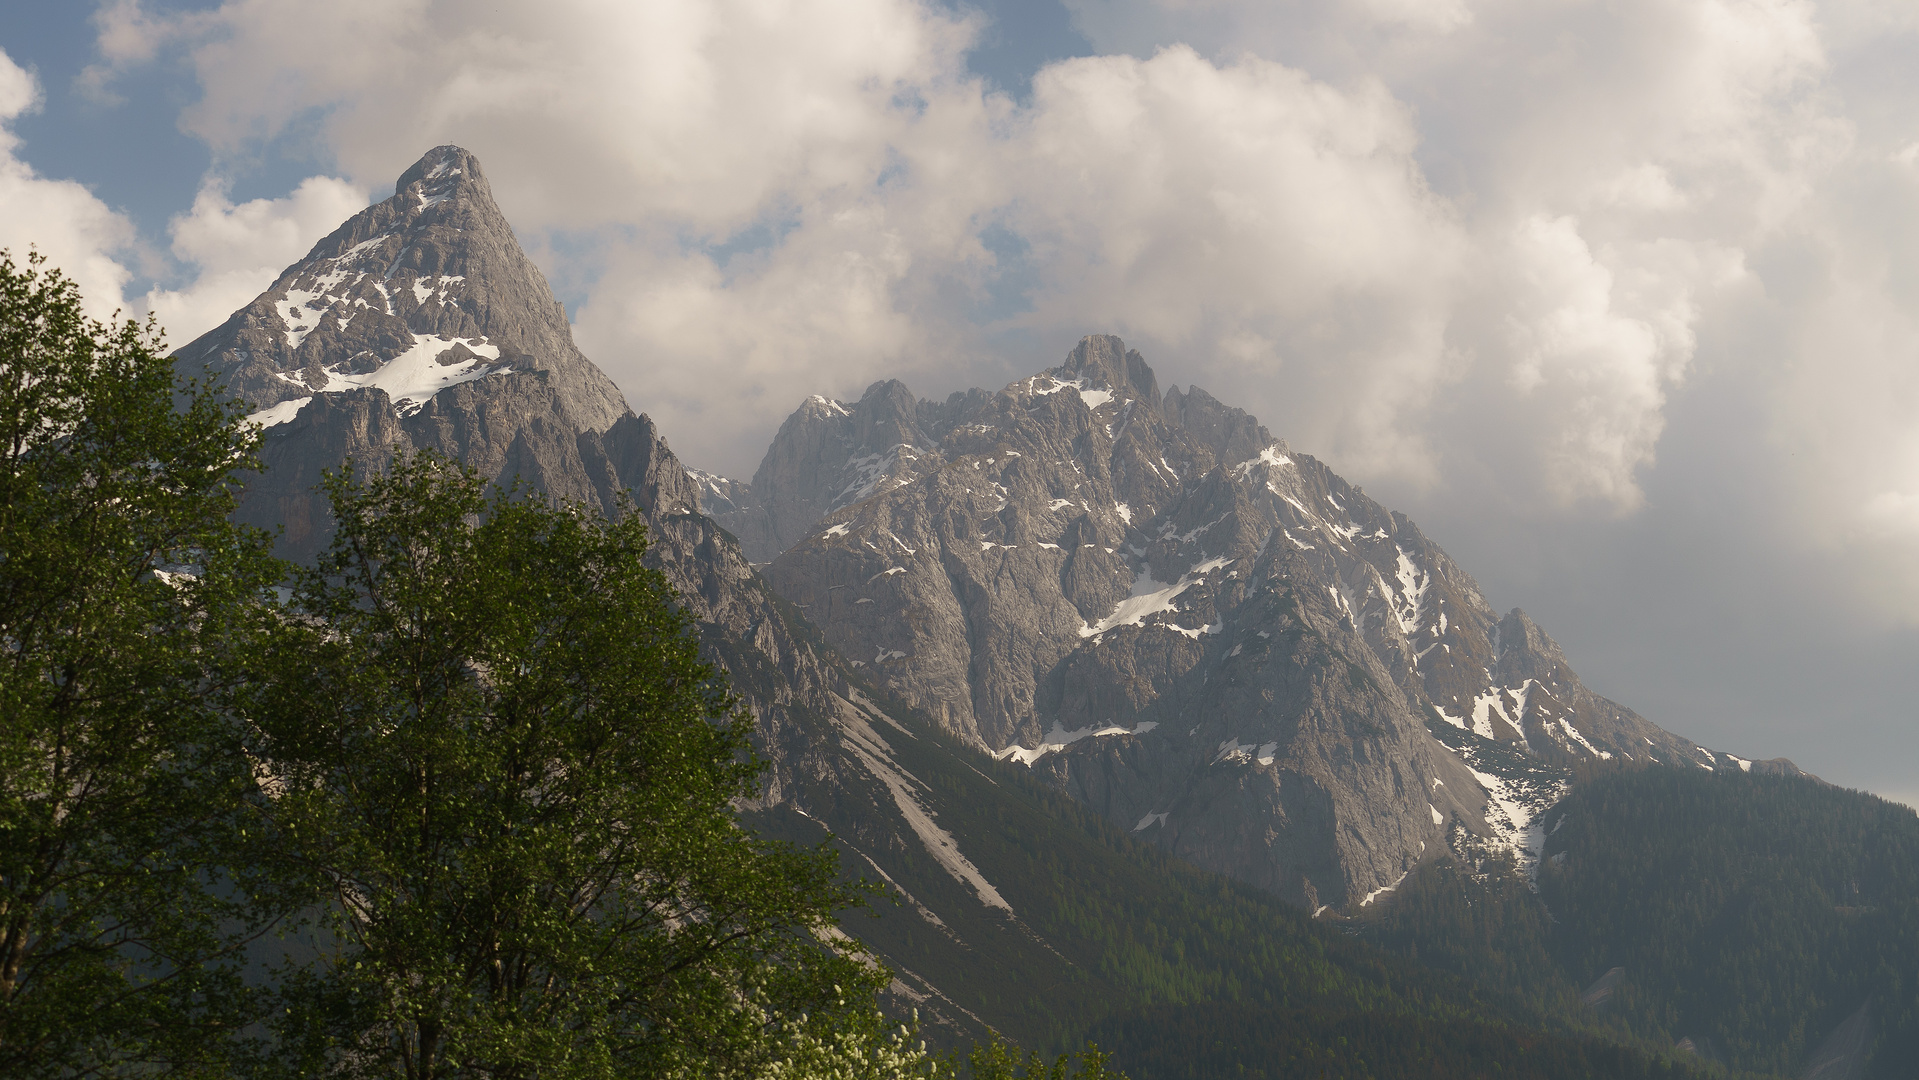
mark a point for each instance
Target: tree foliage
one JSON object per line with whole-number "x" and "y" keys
{"x": 494, "y": 752}
{"x": 1752, "y": 913}
{"x": 119, "y": 573}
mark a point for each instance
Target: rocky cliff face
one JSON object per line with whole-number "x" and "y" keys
{"x": 423, "y": 291}
{"x": 828, "y": 456}
{"x": 421, "y": 324}
{"x": 1210, "y": 637}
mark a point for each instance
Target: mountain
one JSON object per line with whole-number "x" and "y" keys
{"x": 425, "y": 290}
{"x": 1135, "y": 562}
{"x": 420, "y": 324}
{"x": 1090, "y": 933}
{"x": 1212, "y": 639}
{"x": 1767, "y": 922}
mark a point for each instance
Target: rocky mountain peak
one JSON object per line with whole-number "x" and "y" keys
{"x": 886, "y": 416}
{"x": 450, "y": 165}
{"x": 1231, "y": 434}
{"x": 1103, "y": 362}
{"x": 1518, "y": 635}
{"x": 1187, "y": 624}
{"x": 420, "y": 323}
{"x": 426, "y": 290}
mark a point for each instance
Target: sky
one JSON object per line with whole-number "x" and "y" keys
{"x": 1615, "y": 298}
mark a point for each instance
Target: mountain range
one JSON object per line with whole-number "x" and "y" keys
{"x": 1211, "y": 638}
{"x": 1116, "y": 620}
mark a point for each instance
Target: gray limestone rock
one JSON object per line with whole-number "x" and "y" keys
{"x": 1211, "y": 638}
{"x": 420, "y": 324}
{"x": 409, "y": 295}
{"x": 826, "y": 455}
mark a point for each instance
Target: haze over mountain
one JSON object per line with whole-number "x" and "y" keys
{"x": 1208, "y": 637}
{"x": 1002, "y": 646}
{"x": 1618, "y": 330}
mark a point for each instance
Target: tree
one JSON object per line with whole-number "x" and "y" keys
{"x": 119, "y": 575}
{"x": 996, "y": 1059}
{"x": 869, "y": 1046}
{"x": 489, "y": 743}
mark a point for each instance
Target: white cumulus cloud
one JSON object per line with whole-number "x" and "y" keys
{"x": 80, "y": 235}
{"x": 1473, "y": 249}
{"x": 237, "y": 251}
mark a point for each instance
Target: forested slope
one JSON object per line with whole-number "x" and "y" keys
{"x": 1112, "y": 940}
{"x": 1755, "y": 911}
{"x": 1752, "y": 917}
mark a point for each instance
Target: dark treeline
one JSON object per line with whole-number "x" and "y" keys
{"x": 1755, "y": 911}
{"x": 1752, "y": 915}
{"x": 1143, "y": 949}
{"x": 1208, "y": 1042}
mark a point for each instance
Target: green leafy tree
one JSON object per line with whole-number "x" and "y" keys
{"x": 489, "y": 743}
{"x": 119, "y": 575}
{"x": 997, "y": 1059}
{"x": 866, "y": 1045}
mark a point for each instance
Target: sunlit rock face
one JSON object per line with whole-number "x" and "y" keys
{"x": 420, "y": 324}
{"x": 1210, "y": 637}
{"x": 1207, "y": 636}
{"x": 426, "y": 290}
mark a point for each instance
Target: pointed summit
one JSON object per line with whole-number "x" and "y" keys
{"x": 420, "y": 324}
{"x": 1105, "y": 362}
{"x": 448, "y": 162}
{"x": 423, "y": 291}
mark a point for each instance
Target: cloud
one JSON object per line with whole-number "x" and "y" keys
{"x": 1259, "y": 225}
{"x": 808, "y": 197}
{"x": 237, "y": 251}
{"x": 127, "y": 35}
{"x": 19, "y": 90}
{"x": 703, "y": 113}
{"x": 227, "y": 254}
{"x": 1471, "y": 250}
{"x": 80, "y": 235}
{"x": 1841, "y": 377}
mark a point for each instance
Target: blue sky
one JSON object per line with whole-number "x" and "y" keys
{"x": 1615, "y": 298}
{"x": 127, "y": 146}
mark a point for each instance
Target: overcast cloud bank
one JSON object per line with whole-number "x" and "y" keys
{"x": 1469, "y": 252}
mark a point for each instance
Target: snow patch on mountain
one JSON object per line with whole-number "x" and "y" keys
{"x": 1060, "y": 739}
{"x": 1234, "y": 750}
{"x": 1411, "y": 597}
{"x": 1151, "y": 597}
{"x": 1484, "y": 706}
{"x": 275, "y": 415}
{"x": 431, "y": 365}
{"x": 869, "y": 473}
{"x": 1519, "y": 788}
{"x": 1383, "y": 890}
{"x": 1269, "y": 456}
{"x": 1044, "y": 385}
